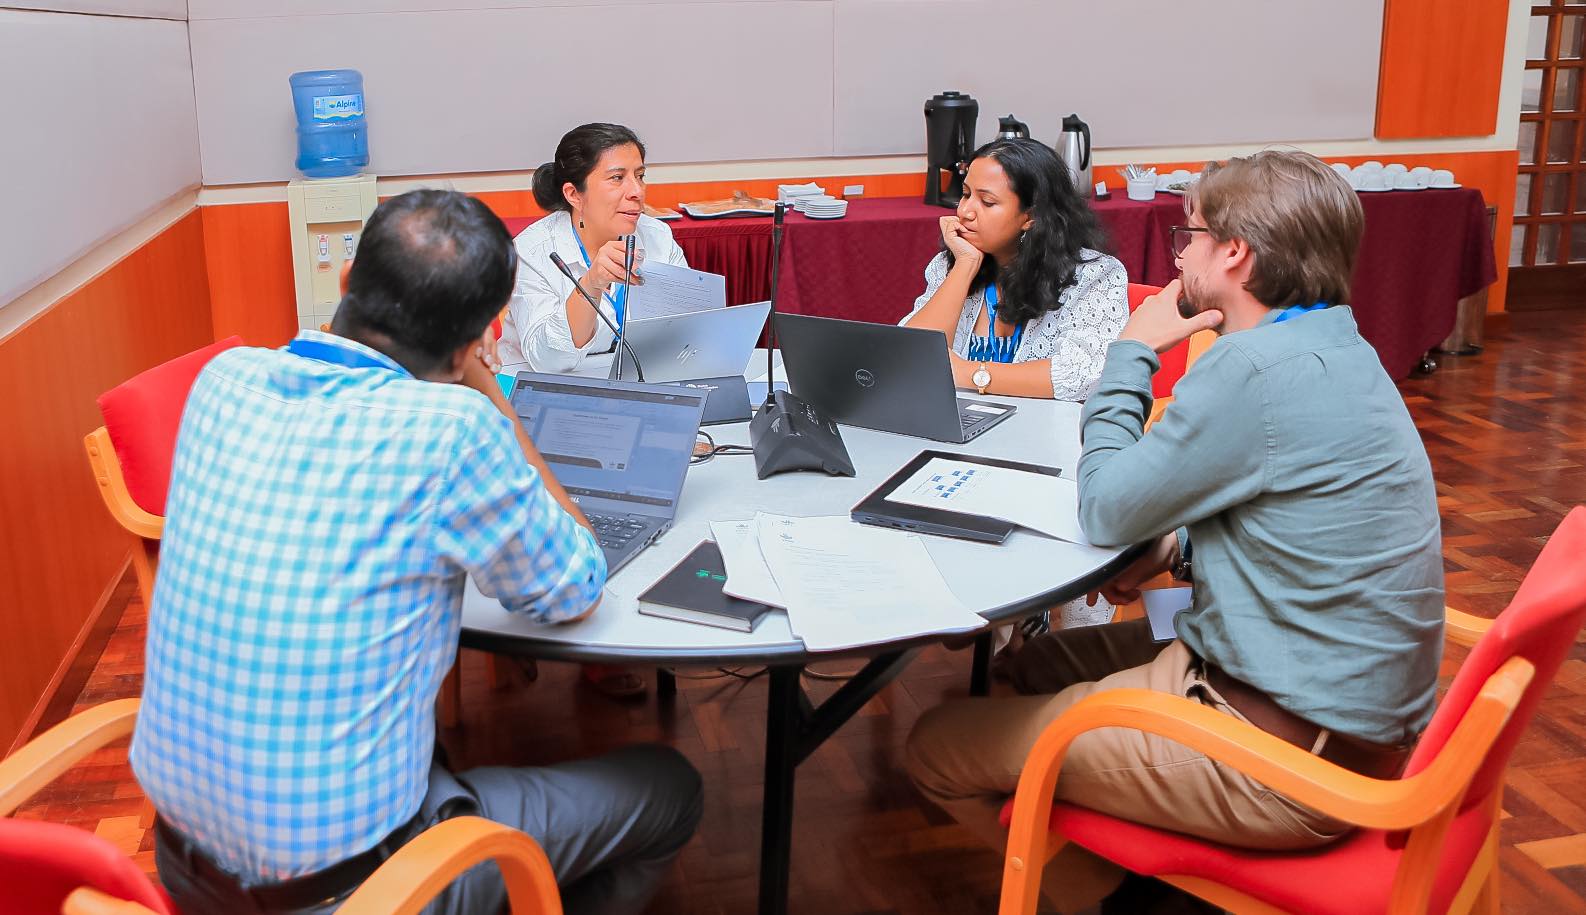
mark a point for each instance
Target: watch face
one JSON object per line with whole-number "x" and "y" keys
{"x": 982, "y": 377}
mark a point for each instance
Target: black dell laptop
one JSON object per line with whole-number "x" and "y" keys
{"x": 881, "y": 376}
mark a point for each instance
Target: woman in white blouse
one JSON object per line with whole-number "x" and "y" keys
{"x": 594, "y": 191}
{"x": 1026, "y": 298}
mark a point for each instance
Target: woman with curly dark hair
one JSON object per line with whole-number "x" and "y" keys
{"x": 1021, "y": 289}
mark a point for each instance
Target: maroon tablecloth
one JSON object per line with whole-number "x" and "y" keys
{"x": 1423, "y": 251}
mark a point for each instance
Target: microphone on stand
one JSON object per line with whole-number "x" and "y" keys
{"x": 787, "y": 433}
{"x": 622, "y": 319}
{"x": 567, "y": 272}
{"x": 776, "y": 262}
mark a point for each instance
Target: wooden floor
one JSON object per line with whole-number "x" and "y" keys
{"x": 1507, "y": 434}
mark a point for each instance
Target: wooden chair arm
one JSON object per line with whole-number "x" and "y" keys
{"x": 46, "y": 756}
{"x": 113, "y": 488}
{"x": 412, "y": 877}
{"x": 88, "y": 901}
{"x": 1464, "y": 628}
{"x": 1281, "y": 766}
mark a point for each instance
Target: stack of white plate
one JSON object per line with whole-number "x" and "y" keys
{"x": 821, "y": 206}
{"x": 791, "y": 193}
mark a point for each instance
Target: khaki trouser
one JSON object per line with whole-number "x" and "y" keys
{"x": 966, "y": 756}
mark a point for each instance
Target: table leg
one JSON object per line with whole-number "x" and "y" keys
{"x": 783, "y": 721}
{"x": 665, "y": 683}
{"x": 980, "y": 668}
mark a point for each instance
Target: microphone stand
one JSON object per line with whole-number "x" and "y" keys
{"x": 627, "y": 294}
{"x": 770, "y": 337}
{"x": 567, "y": 272}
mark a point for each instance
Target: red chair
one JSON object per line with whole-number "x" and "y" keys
{"x": 1426, "y": 842}
{"x": 131, "y": 453}
{"x": 46, "y": 868}
{"x": 1175, "y": 362}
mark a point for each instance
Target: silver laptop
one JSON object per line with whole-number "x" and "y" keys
{"x": 620, "y": 448}
{"x": 881, "y": 376}
{"x": 700, "y": 344}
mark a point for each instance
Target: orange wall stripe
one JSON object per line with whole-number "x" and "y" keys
{"x": 58, "y": 545}
{"x": 1442, "y": 64}
{"x": 248, "y": 254}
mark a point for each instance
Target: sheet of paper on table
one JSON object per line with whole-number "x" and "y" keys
{"x": 1047, "y": 504}
{"x": 667, "y": 290}
{"x": 748, "y": 576}
{"x": 1161, "y": 606}
{"x": 849, "y": 584}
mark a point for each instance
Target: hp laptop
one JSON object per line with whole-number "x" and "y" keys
{"x": 881, "y": 376}
{"x": 620, "y": 448}
{"x": 701, "y": 344}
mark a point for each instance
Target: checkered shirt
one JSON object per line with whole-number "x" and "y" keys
{"x": 320, "y": 523}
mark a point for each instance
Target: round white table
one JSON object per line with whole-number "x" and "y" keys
{"x": 1025, "y": 574}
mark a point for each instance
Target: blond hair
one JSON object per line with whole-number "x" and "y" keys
{"x": 1300, "y": 218}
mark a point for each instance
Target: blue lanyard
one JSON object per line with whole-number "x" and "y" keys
{"x": 992, "y": 348}
{"x": 336, "y": 355}
{"x": 1293, "y": 310}
{"x": 619, "y": 302}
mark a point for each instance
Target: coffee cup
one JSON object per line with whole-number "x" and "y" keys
{"x": 1142, "y": 188}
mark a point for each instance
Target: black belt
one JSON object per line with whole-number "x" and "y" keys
{"x": 303, "y": 892}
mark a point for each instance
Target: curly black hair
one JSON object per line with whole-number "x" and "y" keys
{"x": 1062, "y": 225}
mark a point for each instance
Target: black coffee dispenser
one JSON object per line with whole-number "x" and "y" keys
{"x": 949, "y": 142}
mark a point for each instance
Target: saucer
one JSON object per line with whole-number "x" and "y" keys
{"x": 1444, "y": 187}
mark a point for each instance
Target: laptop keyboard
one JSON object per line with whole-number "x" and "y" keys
{"x": 972, "y": 418}
{"x": 613, "y": 532}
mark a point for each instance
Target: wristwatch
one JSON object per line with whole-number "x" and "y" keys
{"x": 1184, "y": 569}
{"x": 981, "y": 378}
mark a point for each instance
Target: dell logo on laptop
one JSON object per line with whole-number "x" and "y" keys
{"x": 864, "y": 378}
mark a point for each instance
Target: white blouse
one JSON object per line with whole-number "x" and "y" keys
{"x": 1094, "y": 309}
{"x": 535, "y": 328}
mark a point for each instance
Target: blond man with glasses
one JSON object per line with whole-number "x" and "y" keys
{"x": 1289, "y": 485}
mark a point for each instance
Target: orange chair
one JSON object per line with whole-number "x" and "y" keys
{"x": 74, "y": 871}
{"x": 1426, "y": 842}
{"x": 131, "y": 459}
{"x": 1175, "y": 362}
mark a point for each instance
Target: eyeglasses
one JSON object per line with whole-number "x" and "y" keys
{"x": 1181, "y": 237}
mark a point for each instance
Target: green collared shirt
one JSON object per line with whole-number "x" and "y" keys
{"x": 1289, "y": 457}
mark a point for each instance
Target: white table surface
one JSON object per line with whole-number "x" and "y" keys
{"x": 1025, "y": 573}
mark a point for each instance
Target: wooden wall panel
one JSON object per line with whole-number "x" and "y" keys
{"x": 248, "y": 253}
{"x": 1442, "y": 65}
{"x": 60, "y": 547}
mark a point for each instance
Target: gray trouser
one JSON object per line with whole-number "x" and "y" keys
{"x": 610, "y": 826}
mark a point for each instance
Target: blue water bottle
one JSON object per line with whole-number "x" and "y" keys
{"x": 332, "y": 137}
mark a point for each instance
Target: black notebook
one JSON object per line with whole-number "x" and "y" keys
{"x": 691, "y": 592}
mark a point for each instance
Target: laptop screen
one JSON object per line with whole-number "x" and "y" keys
{"x": 609, "y": 440}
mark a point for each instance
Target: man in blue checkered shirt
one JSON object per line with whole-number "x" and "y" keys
{"x": 327, "y": 501}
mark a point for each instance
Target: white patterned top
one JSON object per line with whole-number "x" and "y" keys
{"x": 1091, "y": 314}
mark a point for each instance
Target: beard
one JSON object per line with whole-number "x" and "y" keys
{"x": 1195, "y": 298}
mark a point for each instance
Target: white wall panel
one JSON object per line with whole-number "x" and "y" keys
{"x": 483, "y": 90}
{"x": 153, "y": 9}
{"x": 100, "y": 130}
{"x": 1153, "y": 73}
{"x": 250, "y": 9}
